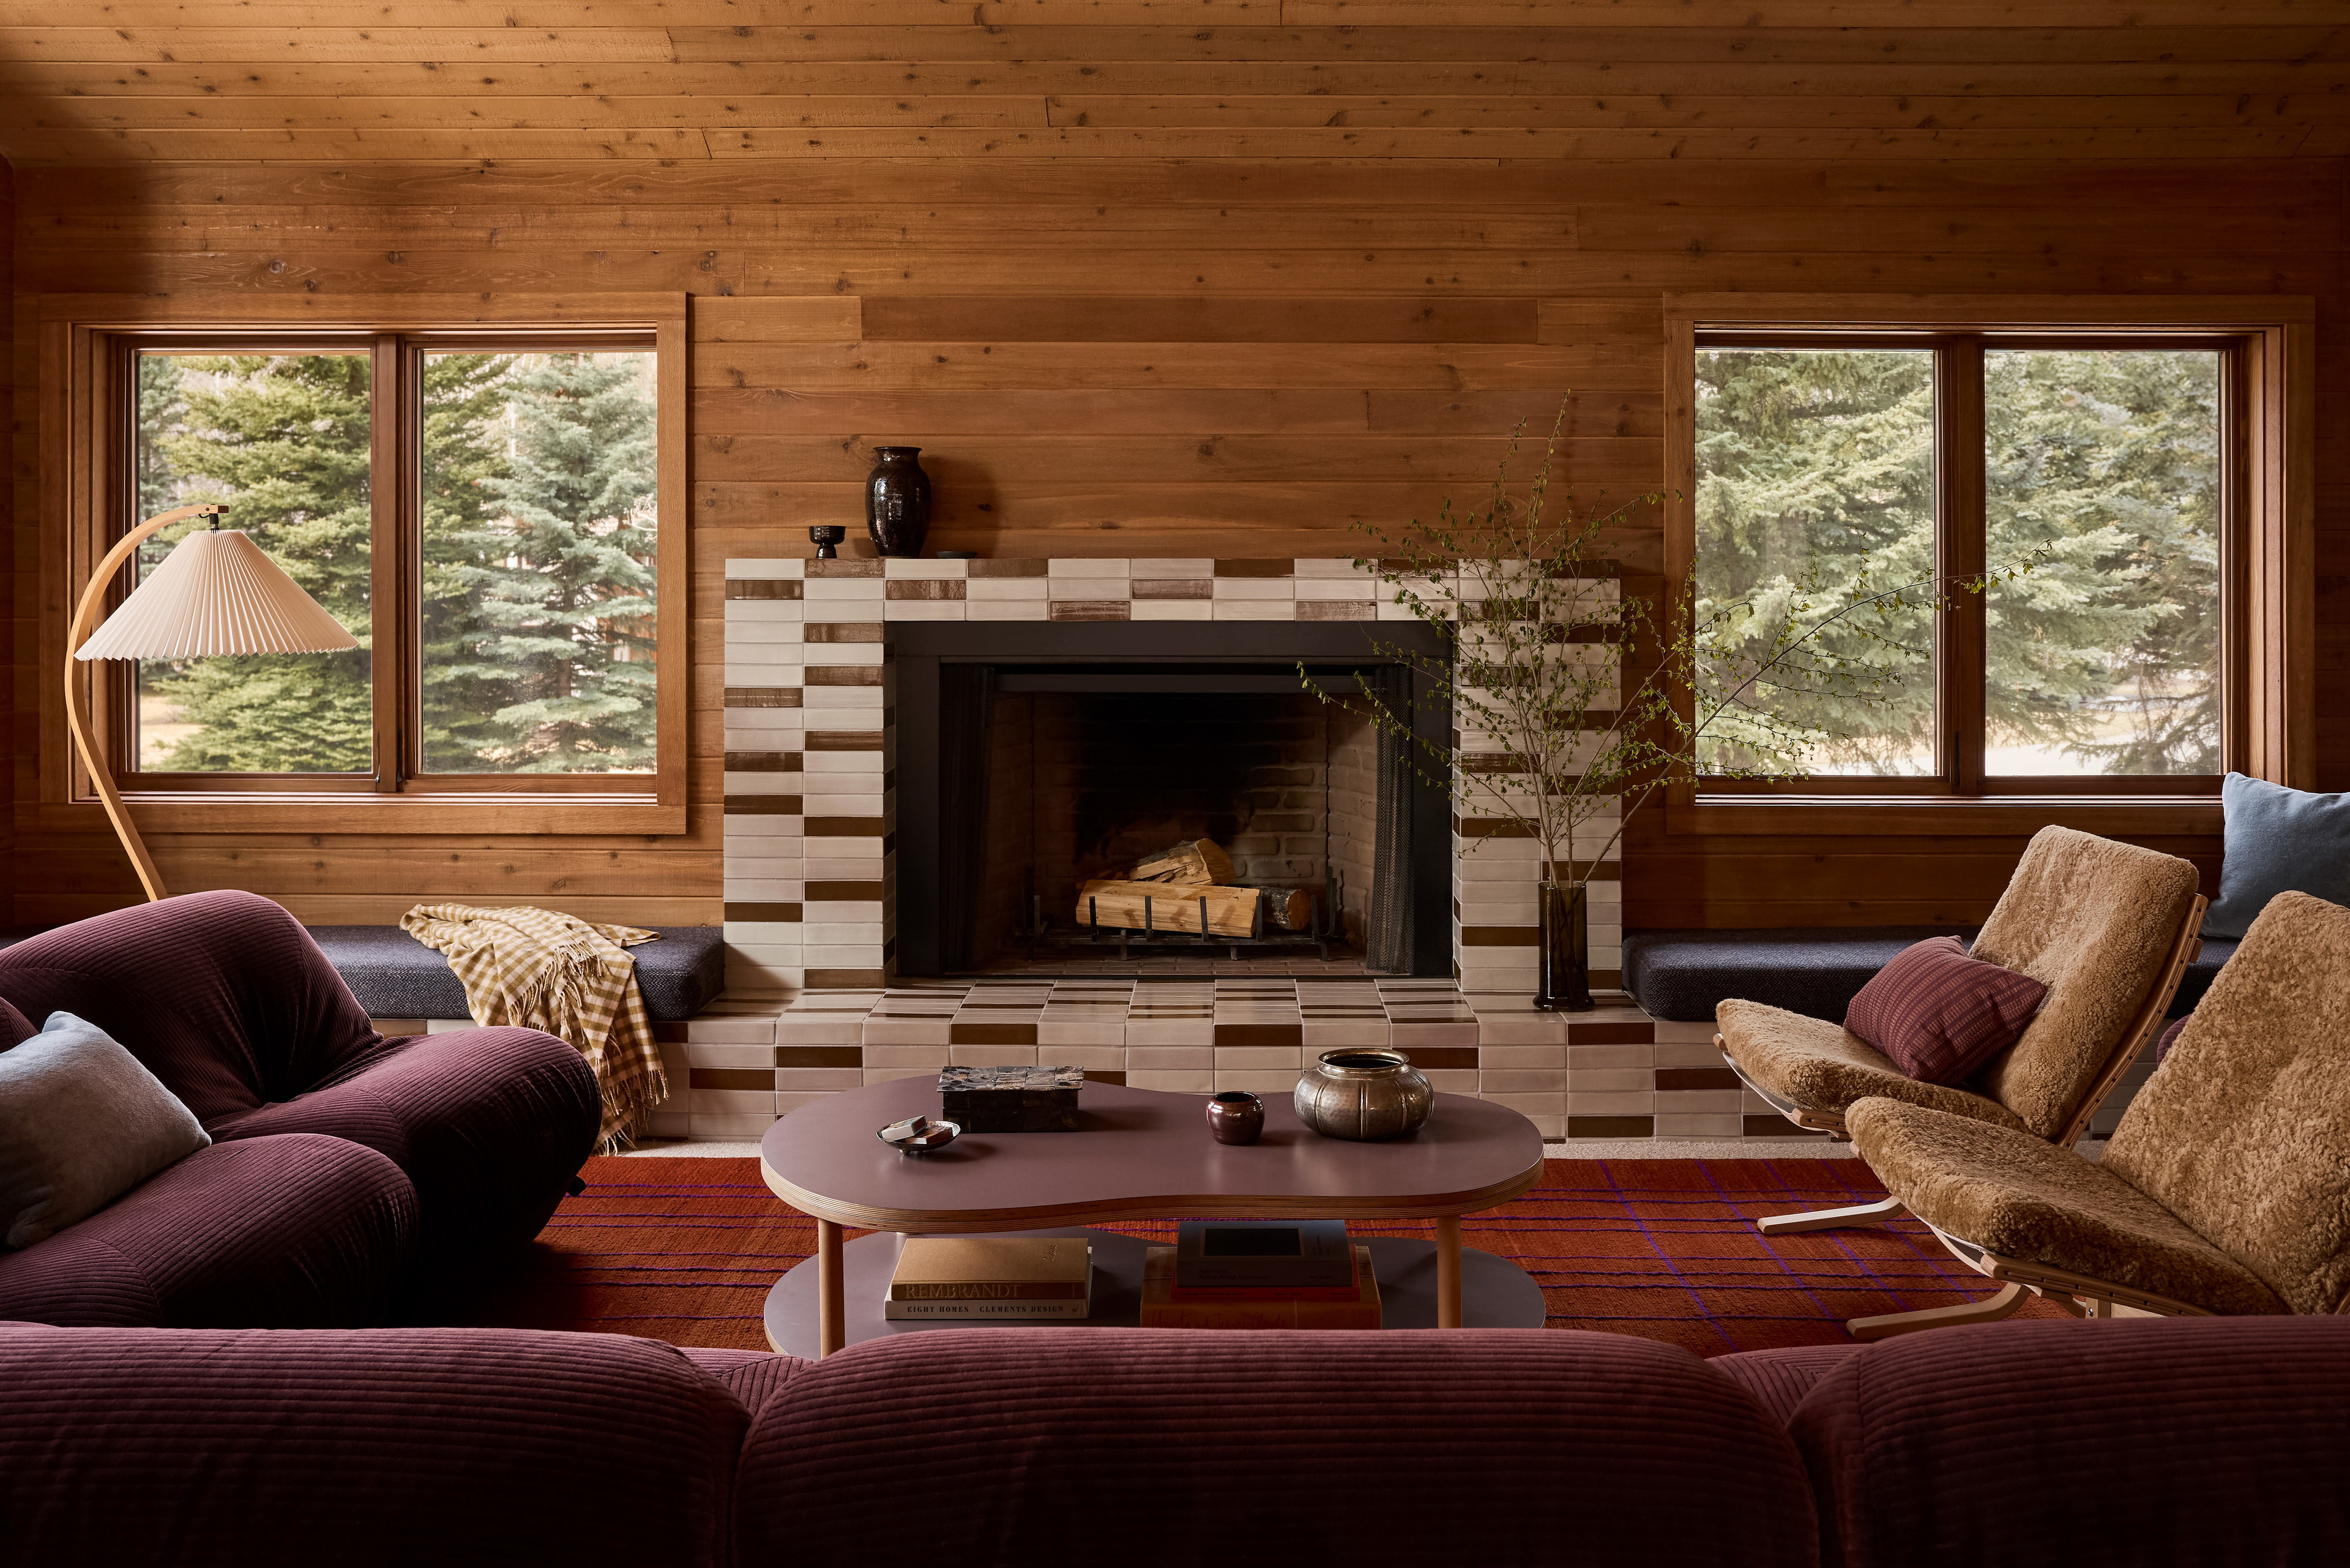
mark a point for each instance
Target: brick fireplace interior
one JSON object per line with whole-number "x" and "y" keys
{"x": 1081, "y": 783}
{"x": 1022, "y": 777}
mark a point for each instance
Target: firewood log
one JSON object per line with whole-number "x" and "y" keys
{"x": 1231, "y": 911}
{"x": 1291, "y": 909}
{"x": 1196, "y": 862}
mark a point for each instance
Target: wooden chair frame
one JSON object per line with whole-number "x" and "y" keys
{"x": 2145, "y": 1025}
{"x": 2020, "y": 1279}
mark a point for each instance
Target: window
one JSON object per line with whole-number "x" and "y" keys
{"x": 2093, "y": 478}
{"x": 479, "y": 509}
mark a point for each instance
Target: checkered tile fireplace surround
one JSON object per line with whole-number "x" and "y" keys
{"x": 812, "y": 1003}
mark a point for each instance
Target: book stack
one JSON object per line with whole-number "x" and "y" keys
{"x": 991, "y": 1278}
{"x": 1267, "y": 1274}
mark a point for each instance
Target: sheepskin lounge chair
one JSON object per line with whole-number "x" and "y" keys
{"x": 2225, "y": 1192}
{"x": 2109, "y": 928}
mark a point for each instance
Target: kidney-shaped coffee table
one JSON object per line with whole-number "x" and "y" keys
{"x": 1140, "y": 1155}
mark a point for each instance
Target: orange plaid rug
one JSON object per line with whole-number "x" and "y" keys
{"x": 685, "y": 1251}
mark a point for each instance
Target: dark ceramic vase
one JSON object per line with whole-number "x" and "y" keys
{"x": 1565, "y": 982}
{"x": 1235, "y": 1117}
{"x": 897, "y": 501}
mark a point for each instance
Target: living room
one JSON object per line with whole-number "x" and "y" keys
{"x": 1658, "y": 680}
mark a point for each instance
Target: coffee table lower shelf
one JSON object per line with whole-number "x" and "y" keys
{"x": 1494, "y": 1292}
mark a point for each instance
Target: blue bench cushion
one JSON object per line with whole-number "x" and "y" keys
{"x": 395, "y": 976}
{"x": 1816, "y": 972}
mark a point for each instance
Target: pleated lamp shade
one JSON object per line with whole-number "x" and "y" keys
{"x": 216, "y": 593}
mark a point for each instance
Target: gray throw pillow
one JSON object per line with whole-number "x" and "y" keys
{"x": 82, "y": 1122}
{"x": 2277, "y": 840}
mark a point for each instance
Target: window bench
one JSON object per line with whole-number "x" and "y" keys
{"x": 395, "y": 976}
{"x": 1814, "y": 970}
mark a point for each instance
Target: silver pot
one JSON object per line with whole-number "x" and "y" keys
{"x": 1364, "y": 1092}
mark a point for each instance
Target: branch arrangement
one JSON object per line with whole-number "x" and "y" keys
{"x": 1556, "y": 726}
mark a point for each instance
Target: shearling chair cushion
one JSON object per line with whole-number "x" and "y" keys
{"x": 2024, "y": 1197}
{"x": 2094, "y": 921}
{"x": 1826, "y": 1066}
{"x": 2227, "y": 1184}
{"x": 2091, "y": 919}
{"x": 2244, "y": 1132}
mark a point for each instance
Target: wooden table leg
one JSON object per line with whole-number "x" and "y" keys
{"x": 1448, "y": 1272}
{"x": 831, "y": 1284}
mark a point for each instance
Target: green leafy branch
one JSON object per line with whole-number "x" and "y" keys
{"x": 1534, "y": 636}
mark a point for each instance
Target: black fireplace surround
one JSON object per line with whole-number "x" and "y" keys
{"x": 943, "y": 671}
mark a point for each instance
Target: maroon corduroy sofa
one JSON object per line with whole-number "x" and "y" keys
{"x": 2147, "y": 1443}
{"x": 349, "y": 1172}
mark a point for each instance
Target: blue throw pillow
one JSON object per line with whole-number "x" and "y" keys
{"x": 82, "y": 1122}
{"x": 2278, "y": 840}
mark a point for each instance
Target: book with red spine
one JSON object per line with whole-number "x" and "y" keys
{"x": 1202, "y": 1294}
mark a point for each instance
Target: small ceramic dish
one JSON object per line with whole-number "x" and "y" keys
{"x": 919, "y": 1134}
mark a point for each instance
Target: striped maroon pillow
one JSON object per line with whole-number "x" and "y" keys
{"x": 1939, "y": 1014}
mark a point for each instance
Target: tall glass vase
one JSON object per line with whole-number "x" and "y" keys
{"x": 1565, "y": 981}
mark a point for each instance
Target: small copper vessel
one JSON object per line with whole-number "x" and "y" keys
{"x": 1235, "y": 1117}
{"x": 1364, "y": 1093}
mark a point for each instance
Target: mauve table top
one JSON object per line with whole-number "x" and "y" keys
{"x": 1140, "y": 1154}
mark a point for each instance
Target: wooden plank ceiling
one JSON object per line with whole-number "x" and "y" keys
{"x": 693, "y": 81}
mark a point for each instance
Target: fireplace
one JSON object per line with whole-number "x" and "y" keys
{"x": 1032, "y": 758}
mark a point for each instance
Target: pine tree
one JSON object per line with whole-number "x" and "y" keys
{"x": 287, "y": 436}
{"x": 464, "y": 551}
{"x": 550, "y": 615}
{"x": 2106, "y": 466}
{"x": 1817, "y": 486}
{"x": 162, "y": 413}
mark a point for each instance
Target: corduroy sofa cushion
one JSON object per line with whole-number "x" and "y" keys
{"x": 1024, "y": 1446}
{"x": 224, "y": 997}
{"x": 298, "y": 1232}
{"x": 752, "y": 1376}
{"x": 1778, "y": 1379}
{"x": 391, "y": 1448}
{"x": 1939, "y": 1014}
{"x": 221, "y": 995}
{"x": 2151, "y": 1443}
{"x": 490, "y": 1125}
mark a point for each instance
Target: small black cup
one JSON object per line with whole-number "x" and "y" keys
{"x": 1235, "y": 1117}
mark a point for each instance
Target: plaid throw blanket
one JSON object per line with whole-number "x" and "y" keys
{"x": 556, "y": 973}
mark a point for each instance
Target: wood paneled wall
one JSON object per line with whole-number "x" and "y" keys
{"x": 1236, "y": 331}
{"x": 14, "y": 735}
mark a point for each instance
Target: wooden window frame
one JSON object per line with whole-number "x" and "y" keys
{"x": 2267, "y": 546}
{"x": 87, "y": 347}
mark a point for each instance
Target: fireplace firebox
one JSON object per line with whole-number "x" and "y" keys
{"x": 1033, "y": 757}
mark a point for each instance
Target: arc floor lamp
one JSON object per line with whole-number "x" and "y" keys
{"x": 216, "y": 592}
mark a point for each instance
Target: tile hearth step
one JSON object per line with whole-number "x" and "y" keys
{"x": 1611, "y": 1074}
